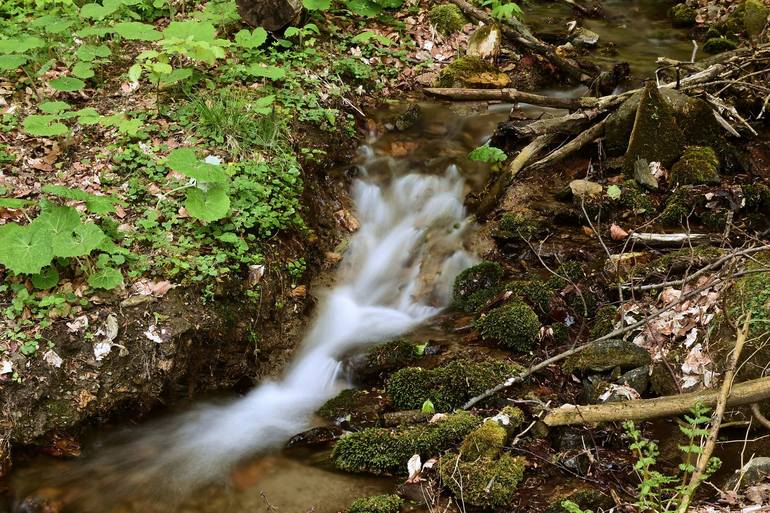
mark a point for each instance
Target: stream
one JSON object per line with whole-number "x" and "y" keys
{"x": 396, "y": 276}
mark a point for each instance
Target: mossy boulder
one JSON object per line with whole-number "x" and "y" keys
{"x": 682, "y": 15}
{"x": 363, "y": 407}
{"x": 377, "y": 504}
{"x": 385, "y": 359}
{"x": 755, "y": 14}
{"x": 655, "y": 136}
{"x": 568, "y": 272}
{"x": 753, "y": 295}
{"x": 386, "y": 451}
{"x": 679, "y": 206}
{"x": 516, "y": 224}
{"x": 471, "y": 72}
{"x": 606, "y": 355}
{"x": 756, "y": 197}
{"x": 537, "y": 293}
{"x": 485, "y": 42}
{"x": 514, "y": 326}
{"x": 476, "y": 285}
{"x": 447, "y": 18}
{"x": 604, "y": 321}
{"x": 447, "y": 387}
{"x": 484, "y": 483}
{"x": 486, "y": 441}
{"x": 510, "y": 417}
{"x": 719, "y": 44}
{"x": 698, "y": 165}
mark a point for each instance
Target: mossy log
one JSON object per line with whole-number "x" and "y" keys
{"x": 508, "y": 94}
{"x": 741, "y": 394}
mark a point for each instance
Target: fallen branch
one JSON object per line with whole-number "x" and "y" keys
{"x": 669, "y": 239}
{"x": 574, "y": 145}
{"x": 570, "y": 124}
{"x": 509, "y": 95}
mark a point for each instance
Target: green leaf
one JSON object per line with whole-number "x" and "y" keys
{"x": 57, "y": 220}
{"x": 98, "y": 12}
{"x": 46, "y": 279}
{"x": 183, "y": 160}
{"x": 135, "y": 72}
{"x": 14, "y": 203}
{"x": 83, "y": 70}
{"x": 488, "y": 154}
{"x": 365, "y": 8}
{"x": 90, "y": 53}
{"x": 45, "y": 125}
{"x": 251, "y": 39}
{"x": 24, "y": 249}
{"x": 107, "y": 278}
{"x": 8, "y": 62}
{"x": 317, "y": 5}
{"x": 136, "y": 31}
{"x": 271, "y": 72}
{"x": 177, "y": 75}
{"x": 54, "y": 107}
{"x": 207, "y": 205}
{"x": 94, "y": 31}
{"x": 428, "y": 408}
{"x": 83, "y": 239}
{"x": 67, "y": 84}
{"x": 94, "y": 203}
{"x": 613, "y": 191}
{"x": 193, "y": 30}
{"x": 368, "y": 35}
{"x": 21, "y": 44}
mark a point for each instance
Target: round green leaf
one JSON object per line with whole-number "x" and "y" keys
{"x": 251, "y": 39}
{"x": 107, "y": 278}
{"x": 207, "y": 205}
{"x": 54, "y": 107}
{"x": 56, "y": 221}
{"x": 24, "y": 249}
{"x": 184, "y": 161}
{"x": 136, "y": 31}
{"x": 317, "y": 5}
{"x": 83, "y": 239}
{"x": 46, "y": 279}
{"x": 67, "y": 84}
{"x": 44, "y": 126}
{"x": 271, "y": 72}
{"x": 11, "y": 61}
{"x": 83, "y": 70}
{"x": 90, "y": 53}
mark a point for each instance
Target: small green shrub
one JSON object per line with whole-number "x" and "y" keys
{"x": 476, "y": 285}
{"x": 515, "y": 326}
{"x": 484, "y": 482}
{"x": 377, "y": 504}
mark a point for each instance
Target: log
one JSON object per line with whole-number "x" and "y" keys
{"x": 741, "y": 394}
{"x": 574, "y": 145}
{"x": 569, "y": 125}
{"x": 671, "y": 239}
{"x": 508, "y": 95}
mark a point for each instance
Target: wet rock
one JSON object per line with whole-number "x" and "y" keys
{"x": 382, "y": 361}
{"x": 485, "y": 482}
{"x": 466, "y": 70}
{"x": 487, "y": 80}
{"x": 584, "y": 37}
{"x": 638, "y": 379}
{"x": 585, "y": 188}
{"x": 643, "y": 175}
{"x": 608, "y": 354}
{"x": 485, "y": 42}
{"x": 682, "y": 15}
{"x": 447, "y": 18}
{"x": 409, "y": 118}
{"x": 315, "y": 436}
{"x": 655, "y": 136}
{"x": 697, "y": 166}
{"x": 755, "y": 471}
{"x": 571, "y": 438}
{"x": 719, "y": 44}
{"x": 755, "y": 16}
{"x": 661, "y": 380}
{"x": 358, "y": 408}
{"x": 566, "y": 50}
{"x": 476, "y": 285}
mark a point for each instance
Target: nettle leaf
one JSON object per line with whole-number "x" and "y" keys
{"x": 54, "y": 107}
{"x": 135, "y": 72}
{"x": 135, "y": 31}
{"x": 94, "y": 203}
{"x": 8, "y": 62}
{"x": 488, "y": 154}
{"x": 209, "y": 205}
{"x": 367, "y": 36}
{"x": 193, "y": 30}
{"x": 46, "y": 279}
{"x": 24, "y": 249}
{"x": 271, "y": 72}
{"x": 94, "y": 31}
{"x": 83, "y": 70}
{"x": 184, "y": 161}
{"x": 83, "y": 239}
{"x": 90, "y": 53}
{"x": 57, "y": 220}
{"x": 107, "y": 278}
{"x": 45, "y": 125}
{"x": 251, "y": 39}
{"x": 263, "y": 105}
{"x": 51, "y": 24}
{"x": 67, "y": 84}
{"x": 316, "y": 5}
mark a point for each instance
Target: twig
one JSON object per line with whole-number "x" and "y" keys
{"x": 759, "y": 416}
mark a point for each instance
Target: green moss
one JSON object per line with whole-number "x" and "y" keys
{"x": 484, "y": 483}
{"x": 447, "y": 18}
{"x": 604, "y": 321}
{"x": 679, "y": 205}
{"x": 569, "y": 271}
{"x": 447, "y": 387}
{"x": 409, "y": 118}
{"x": 476, "y": 285}
{"x": 460, "y": 69}
{"x": 698, "y": 165}
{"x": 633, "y": 197}
{"x": 377, "y": 504}
{"x": 754, "y": 16}
{"x": 757, "y": 197}
{"x": 754, "y": 296}
{"x": 608, "y": 354}
{"x": 560, "y": 332}
{"x": 359, "y": 406}
{"x": 391, "y": 356}
{"x": 682, "y": 15}
{"x": 537, "y": 293}
{"x": 719, "y": 45}
{"x": 516, "y": 224}
{"x": 486, "y": 441}
{"x": 515, "y": 417}
{"x": 386, "y": 451}
{"x": 515, "y": 326}
{"x": 680, "y": 260}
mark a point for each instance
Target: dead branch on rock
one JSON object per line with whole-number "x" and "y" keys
{"x": 671, "y": 239}
{"x": 509, "y": 95}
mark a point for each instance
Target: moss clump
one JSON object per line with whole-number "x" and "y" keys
{"x": 377, "y": 504}
{"x": 719, "y": 45}
{"x": 536, "y": 292}
{"x": 459, "y": 70}
{"x": 476, "y": 285}
{"x": 757, "y": 197}
{"x": 486, "y": 441}
{"x": 340, "y": 405}
{"x": 391, "y": 356}
{"x": 604, "y": 321}
{"x": 754, "y": 297}
{"x": 679, "y": 205}
{"x": 386, "y": 451}
{"x": 608, "y": 354}
{"x": 515, "y": 224}
{"x": 633, "y": 197}
{"x": 569, "y": 271}
{"x": 698, "y": 165}
{"x": 754, "y": 16}
{"x": 682, "y": 15}
{"x": 560, "y": 332}
{"x": 447, "y": 18}
{"x": 484, "y": 482}
{"x": 515, "y": 326}
{"x": 447, "y": 387}
{"x": 514, "y": 415}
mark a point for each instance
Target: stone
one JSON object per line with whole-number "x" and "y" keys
{"x": 470, "y": 71}
{"x": 655, "y": 136}
{"x": 698, "y": 166}
{"x": 584, "y": 37}
{"x": 608, "y": 354}
{"x": 638, "y": 379}
{"x": 484, "y": 43}
{"x": 272, "y": 15}
{"x": 719, "y": 45}
{"x": 756, "y": 470}
{"x": 447, "y": 18}
{"x": 682, "y": 15}
{"x": 661, "y": 380}
{"x": 755, "y": 17}
{"x": 643, "y": 175}
{"x": 585, "y": 188}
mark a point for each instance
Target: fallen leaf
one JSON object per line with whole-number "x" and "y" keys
{"x": 618, "y": 233}
{"x": 52, "y": 359}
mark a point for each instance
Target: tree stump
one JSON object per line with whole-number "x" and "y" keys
{"x": 271, "y": 15}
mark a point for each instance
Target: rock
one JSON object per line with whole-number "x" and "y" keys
{"x": 697, "y": 166}
{"x": 485, "y": 42}
{"x": 719, "y": 45}
{"x": 566, "y": 50}
{"x": 485, "y": 483}
{"x": 514, "y": 326}
{"x": 584, "y": 37}
{"x": 475, "y": 69}
{"x": 638, "y": 379}
{"x": 655, "y": 136}
{"x": 272, "y": 15}
{"x": 447, "y": 18}
{"x": 643, "y": 175}
{"x": 410, "y": 117}
{"x": 682, "y": 15}
{"x": 585, "y": 188}
{"x": 755, "y": 471}
{"x": 572, "y": 438}
{"x": 608, "y": 354}
{"x": 661, "y": 380}
{"x": 315, "y": 436}
{"x": 486, "y": 441}
{"x": 755, "y": 17}
{"x": 487, "y": 80}
{"x": 476, "y": 285}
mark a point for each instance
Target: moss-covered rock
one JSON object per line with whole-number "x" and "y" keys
{"x": 485, "y": 42}
{"x": 719, "y": 44}
{"x": 447, "y": 18}
{"x": 560, "y": 332}
{"x": 655, "y": 136}
{"x": 679, "y": 205}
{"x": 486, "y": 441}
{"x": 682, "y": 15}
{"x": 447, "y": 387}
{"x": 510, "y": 417}
{"x": 362, "y": 407}
{"x": 409, "y": 118}
{"x": 377, "y": 504}
{"x": 753, "y": 295}
{"x": 604, "y": 321}
{"x": 476, "y": 285}
{"x": 634, "y": 198}
{"x": 471, "y": 71}
{"x": 608, "y": 354}
{"x": 755, "y": 14}
{"x": 756, "y": 197}
{"x": 386, "y": 451}
{"x": 388, "y": 358}
{"x": 698, "y": 165}
{"x": 537, "y": 293}
{"x": 484, "y": 482}
{"x": 515, "y": 326}
{"x": 568, "y": 272}
{"x": 516, "y": 224}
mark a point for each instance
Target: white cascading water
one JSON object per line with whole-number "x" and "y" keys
{"x": 397, "y": 272}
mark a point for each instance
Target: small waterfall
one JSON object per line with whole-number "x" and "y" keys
{"x": 397, "y": 273}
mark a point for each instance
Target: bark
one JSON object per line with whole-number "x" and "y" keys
{"x": 569, "y": 125}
